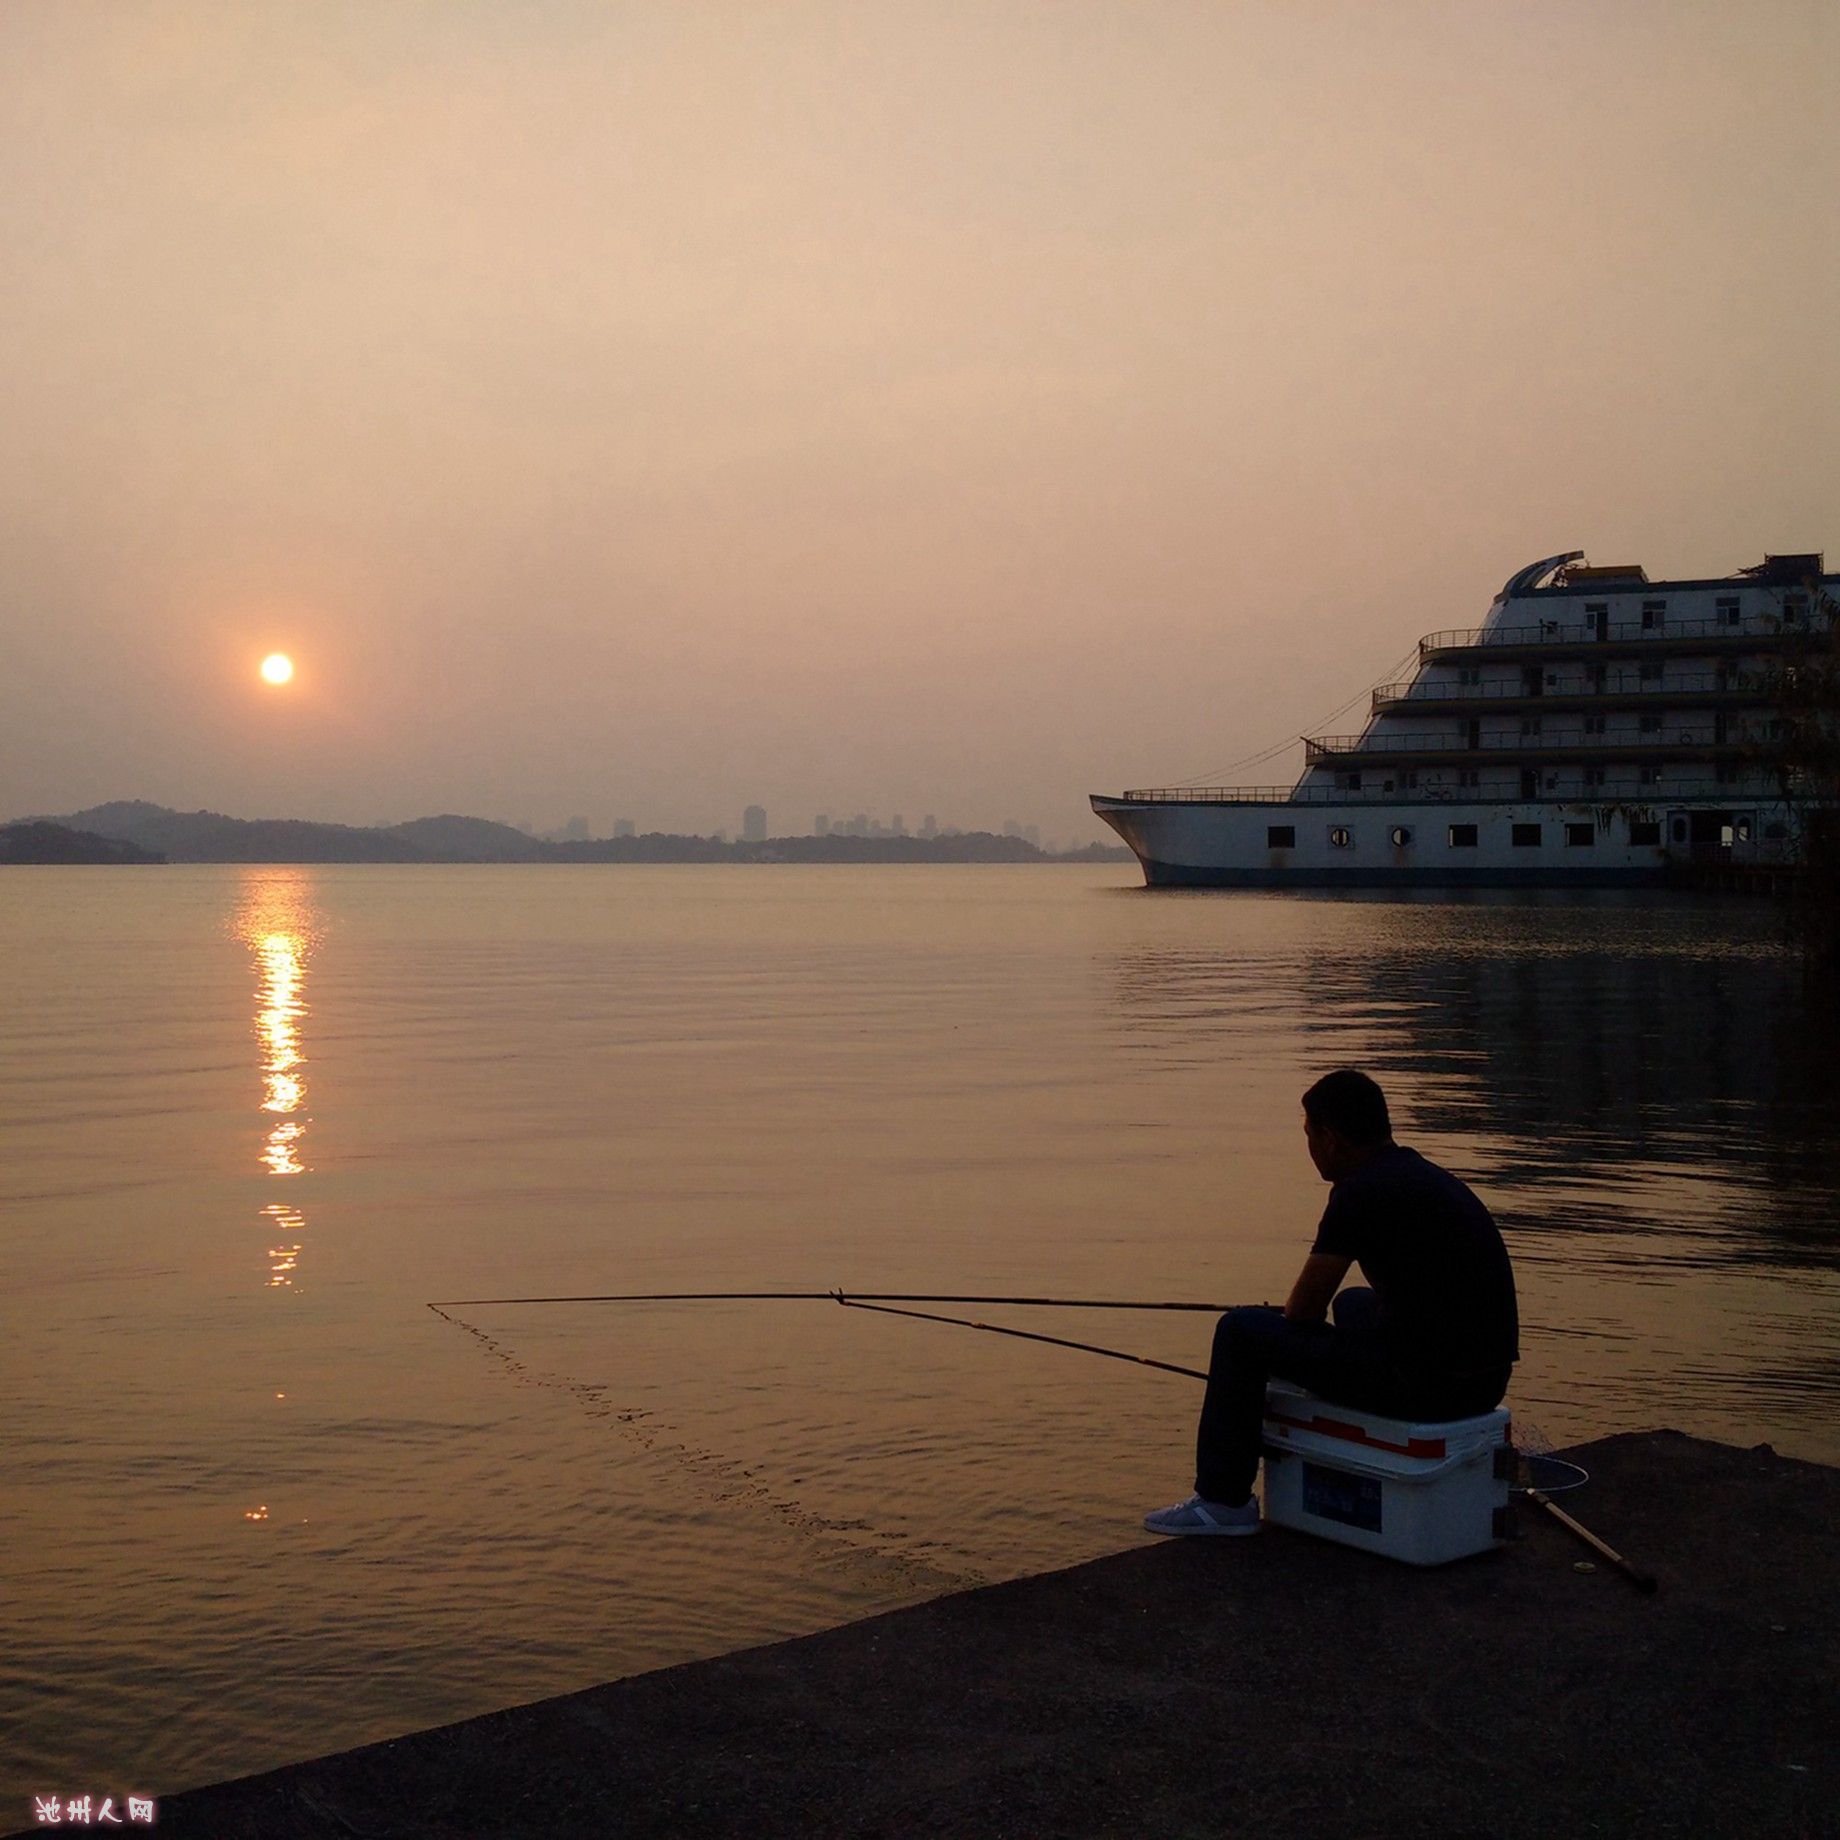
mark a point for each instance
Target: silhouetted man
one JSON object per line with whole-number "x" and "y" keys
{"x": 1434, "y": 1338}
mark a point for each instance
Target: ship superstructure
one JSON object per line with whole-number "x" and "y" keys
{"x": 1597, "y": 728}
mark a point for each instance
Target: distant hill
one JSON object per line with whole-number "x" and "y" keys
{"x": 210, "y": 836}
{"x": 454, "y": 839}
{"x": 36, "y": 841}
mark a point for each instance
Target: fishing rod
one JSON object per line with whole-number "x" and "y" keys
{"x": 1026, "y": 1335}
{"x": 1041, "y": 1303}
{"x": 1643, "y": 1581}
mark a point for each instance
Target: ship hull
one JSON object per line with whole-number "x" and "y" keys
{"x": 1189, "y": 875}
{"x": 1418, "y": 844}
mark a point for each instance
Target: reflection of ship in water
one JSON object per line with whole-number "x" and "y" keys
{"x": 276, "y": 922}
{"x": 1617, "y": 1069}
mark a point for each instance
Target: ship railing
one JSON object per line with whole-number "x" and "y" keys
{"x": 1211, "y": 795}
{"x": 1416, "y": 690}
{"x": 1681, "y": 792}
{"x": 1585, "y": 632}
{"x": 1684, "y": 734}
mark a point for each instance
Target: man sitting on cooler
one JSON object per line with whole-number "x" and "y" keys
{"x": 1434, "y": 1338}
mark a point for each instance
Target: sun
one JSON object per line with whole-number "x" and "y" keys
{"x": 277, "y": 668}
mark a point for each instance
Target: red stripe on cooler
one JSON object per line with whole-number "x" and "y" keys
{"x": 1359, "y": 1434}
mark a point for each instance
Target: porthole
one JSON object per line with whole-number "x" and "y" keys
{"x": 1341, "y": 837}
{"x": 1401, "y": 836}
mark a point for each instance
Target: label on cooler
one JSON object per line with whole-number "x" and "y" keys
{"x": 1333, "y": 1496}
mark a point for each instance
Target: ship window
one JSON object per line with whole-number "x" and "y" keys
{"x": 1593, "y": 776}
{"x": 1794, "y": 606}
{"x": 1469, "y": 776}
{"x": 1525, "y": 836}
{"x": 1743, "y": 830}
{"x": 1654, "y": 614}
{"x": 1401, "y": 836}
{"x": 1593, "y": 725}
{"x": 1644, "y": 830}
{"x": 1680, "y": 830}
{"x": 1348, "y": 782}
{"x": 1530, "y": 725}
{"x": 1280, "y": 836}
{"x": 1728, "y": 610}
{"x": 1580, "y": 836}
{"x": 1469, "y": 676}
{"x": 1651, "y": 671}
{"x": 1340, "y": 836}
{"x": 1727, "y": 774}
{"x": 1650, "y": 776}
{"x": 1463, "y": 836}
{"x": 1410, "y": 779}
{"x": 1650, "y": 725}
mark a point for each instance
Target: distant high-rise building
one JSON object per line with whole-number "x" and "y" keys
{"x": 929, "y": 826}
{"x": 754, "y": 824}
{"x": 1011, "y": 828}
{"x": 624, "y": 827}
{"x": 859, "y": 825}
{"x": 821, "y": 824}
{"x": 575, "y": 831}
{"x": 898, "y": 825}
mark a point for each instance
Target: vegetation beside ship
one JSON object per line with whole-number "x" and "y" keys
{"x": 1806, "y": 690}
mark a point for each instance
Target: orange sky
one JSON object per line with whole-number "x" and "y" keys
{"x": 644, "y": 410}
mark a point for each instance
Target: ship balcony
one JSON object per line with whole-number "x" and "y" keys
{"x": 1553, "y": 639}
{"x": 1414, "y": 698}
{"x": 1682, "y": 742}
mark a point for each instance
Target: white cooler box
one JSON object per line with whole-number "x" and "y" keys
{"x": 1424, "y": 1493}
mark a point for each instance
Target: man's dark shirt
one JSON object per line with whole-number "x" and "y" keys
{"x": 1435, "y": 1260}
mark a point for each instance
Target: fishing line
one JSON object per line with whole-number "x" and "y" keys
{"x": 920, "y": 1566}
{"x": 1389, "y": 675}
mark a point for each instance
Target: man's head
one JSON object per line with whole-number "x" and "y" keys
{"x": 1345, "y": 1122}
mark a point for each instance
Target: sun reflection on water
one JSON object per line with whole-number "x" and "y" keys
{"x": 277, "y": 923}
{"x": 283, "y": 1257}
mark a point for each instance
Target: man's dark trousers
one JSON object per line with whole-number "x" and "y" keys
{"x": 1343, "y": 1362}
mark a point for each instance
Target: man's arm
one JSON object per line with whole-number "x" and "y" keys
{"x": 1319, "y": 1280}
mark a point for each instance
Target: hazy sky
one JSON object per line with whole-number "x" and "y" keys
{"x": 640, "y": 410}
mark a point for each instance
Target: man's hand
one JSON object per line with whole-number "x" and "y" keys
{"x": 1316, "y": 1284}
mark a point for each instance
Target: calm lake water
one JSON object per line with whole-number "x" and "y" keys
{"x": 261, "y": 1503}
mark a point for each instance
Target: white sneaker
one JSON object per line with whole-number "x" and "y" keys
{"x": 1198, "y": 1516}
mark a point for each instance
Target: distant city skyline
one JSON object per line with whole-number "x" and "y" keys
{"x": 756, "y": 826}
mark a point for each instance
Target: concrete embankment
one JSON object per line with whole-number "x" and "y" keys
{"x": 1275, "y": 1687}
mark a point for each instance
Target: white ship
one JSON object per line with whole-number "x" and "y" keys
{"x": 1598, "y": 729}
